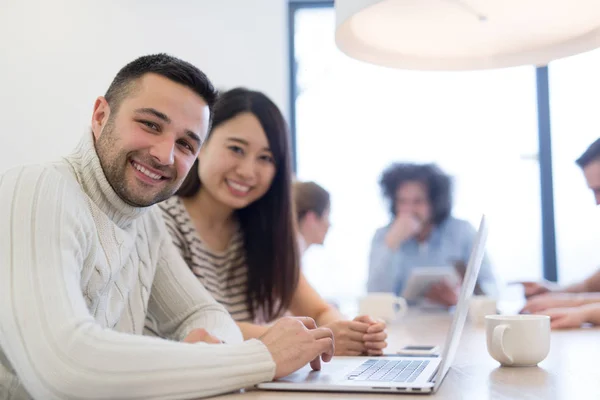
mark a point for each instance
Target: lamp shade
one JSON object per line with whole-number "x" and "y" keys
{"x": 465, "y": 34}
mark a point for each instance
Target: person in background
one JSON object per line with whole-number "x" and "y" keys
{"x": 233, "y": 222}
{"x": 85, "y": 258}
{"x": 573, "y": 305}
{"x": 422, "y": 233}
{"x": 312, "y": 204}
{"x": 312, "y": 213}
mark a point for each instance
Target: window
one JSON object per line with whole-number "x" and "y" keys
{"x": 574, "y": 88}
{"x": 353, "y": 119}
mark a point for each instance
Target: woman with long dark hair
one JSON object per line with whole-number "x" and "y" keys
{"x": 233, "y": 222}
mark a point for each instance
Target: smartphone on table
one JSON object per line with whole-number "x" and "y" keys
{"x": 419, "y": 351}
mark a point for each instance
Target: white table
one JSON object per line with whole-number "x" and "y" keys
{"x": 571, "y": 370}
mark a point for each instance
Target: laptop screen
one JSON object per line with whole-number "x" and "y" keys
{"x": 462, "y": 307}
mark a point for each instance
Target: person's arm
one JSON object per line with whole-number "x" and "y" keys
{"x": 363, "y": 335}
{"x": 591, "y": 284}
{"x": 306, "y": 301}
{"x": 179, "y": 303}
{"x": 250, "y": 330}
{"x": 589, "y": 298}
{"x": 382, "y": 274}
{"x": 577, "y": 287}
{"x": 573, "y": 317}
{"x": 592, "y": 313}
{"x": 551, "y": 300}
{"x": 55, "y": 345}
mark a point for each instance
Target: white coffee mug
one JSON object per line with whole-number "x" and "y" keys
{"x": 480, "y": 306}
{"x": 386, "y": 306}
{"x": 518, "y": 340}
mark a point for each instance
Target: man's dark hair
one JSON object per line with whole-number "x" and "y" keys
{"x": 170, "y": 67}
{"x": 438, "y": 184}
{"x": 591, "y": 154}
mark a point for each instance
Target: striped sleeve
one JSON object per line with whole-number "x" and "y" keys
{"x": 224, "y": 274}
{"x": 173, "y": 226}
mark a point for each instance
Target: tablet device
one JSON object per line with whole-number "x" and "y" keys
{"x": 421, "y": 278}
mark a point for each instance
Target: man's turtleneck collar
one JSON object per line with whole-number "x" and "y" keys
{"x": 90, "y": 175}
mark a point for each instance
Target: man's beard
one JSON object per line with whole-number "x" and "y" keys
{"x": 114, "y": 162}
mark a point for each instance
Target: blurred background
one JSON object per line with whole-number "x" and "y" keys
{"x": 349, "y": 119}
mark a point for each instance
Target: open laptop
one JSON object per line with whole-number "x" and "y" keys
{"x": 393, "y": 374}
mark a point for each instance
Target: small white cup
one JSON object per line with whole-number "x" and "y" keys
{"x": 518, "y": 340}
{"x": 386, "y": 306}
{"x": 479, "y": 307}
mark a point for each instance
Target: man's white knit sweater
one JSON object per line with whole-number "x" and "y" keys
{"x": 79, "y": 271}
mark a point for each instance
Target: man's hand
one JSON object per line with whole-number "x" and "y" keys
{"x": 566, "y": 318}
{"x": 552, "y": 300}
{"x": 443, "y": 293}
{"x": 403, "y": 228}
{"x": 293, "y": 342}
{"x": 362, "y": 336}
{"x": 201, "y": 335}
{"x": 537, "y": 288}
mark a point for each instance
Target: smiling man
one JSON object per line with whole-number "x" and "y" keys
{"x": 85, "y": 259}
{"x": 168, "y": 121}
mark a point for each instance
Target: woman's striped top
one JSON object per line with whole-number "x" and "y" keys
{"x": 213, "y": 269}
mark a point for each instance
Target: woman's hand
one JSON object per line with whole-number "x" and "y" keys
{"x": 361, "y": 336}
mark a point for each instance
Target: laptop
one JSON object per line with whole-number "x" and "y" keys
{"x": 392, "y": 374}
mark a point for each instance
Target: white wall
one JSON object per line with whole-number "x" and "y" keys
{"x": 57, "y": 56}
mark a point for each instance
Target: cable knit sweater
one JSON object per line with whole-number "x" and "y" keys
{"x": 79, "y": 272}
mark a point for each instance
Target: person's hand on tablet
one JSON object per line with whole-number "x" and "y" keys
{"x": 443, "y": 293}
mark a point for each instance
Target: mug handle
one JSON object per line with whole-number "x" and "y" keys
{"x": 402, "y": 306}
{"x": 498, "y": 345}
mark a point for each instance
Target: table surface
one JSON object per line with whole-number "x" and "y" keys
{"x": 569, "y": 372}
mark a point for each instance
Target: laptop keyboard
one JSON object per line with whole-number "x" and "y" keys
{"x": 388, "y": 371}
